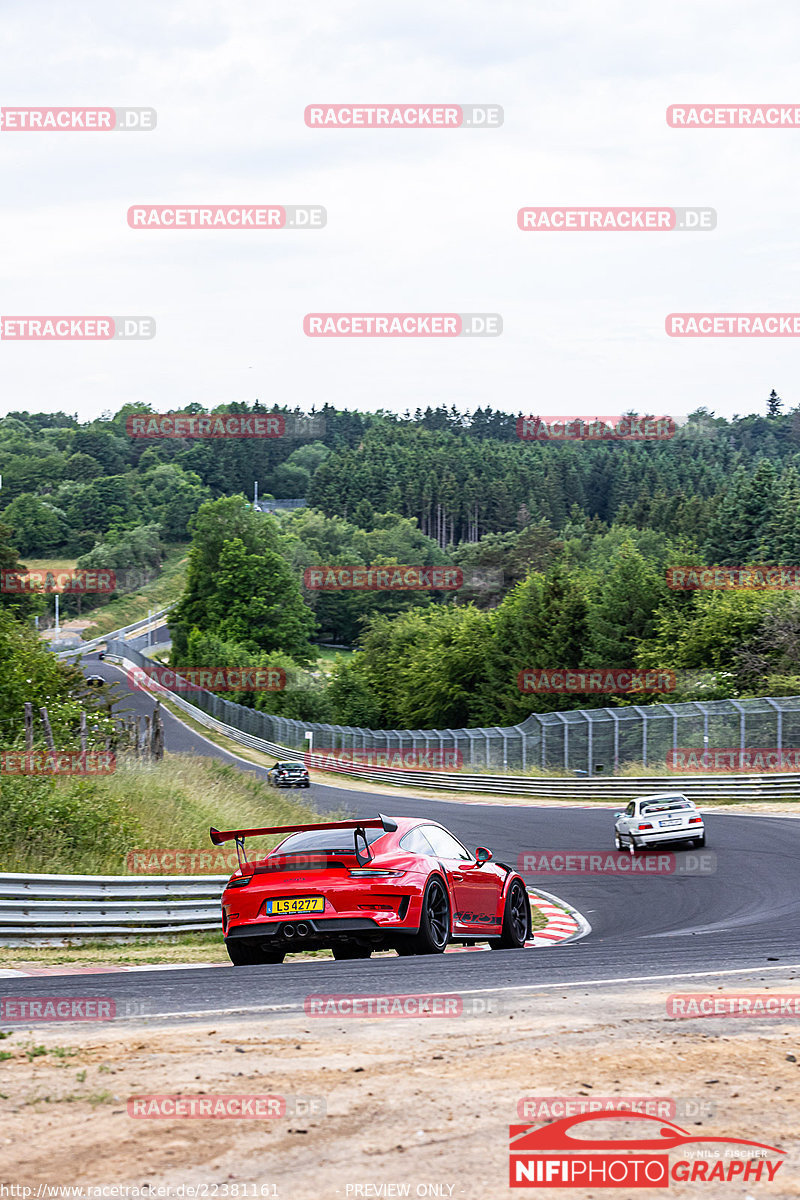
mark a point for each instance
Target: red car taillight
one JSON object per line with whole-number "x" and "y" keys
{"x": 375, "y": 873}
{"x": 242, "y": 882}
{"x": 695, "y": 820}
{"x": 645, "y": 827}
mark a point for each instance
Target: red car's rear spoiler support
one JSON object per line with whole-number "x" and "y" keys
{"x": 219, "y": 836}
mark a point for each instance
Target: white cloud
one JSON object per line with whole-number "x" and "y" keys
{"x": 417, "y": 220}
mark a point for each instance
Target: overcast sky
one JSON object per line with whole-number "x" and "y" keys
{"x": 417, "y": 220}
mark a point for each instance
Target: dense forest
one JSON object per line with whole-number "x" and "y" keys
{"x": 731, "y": 485}
{"x": 577, "y": 537}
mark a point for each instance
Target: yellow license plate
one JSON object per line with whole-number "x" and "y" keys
{"x": 299, "y": 904}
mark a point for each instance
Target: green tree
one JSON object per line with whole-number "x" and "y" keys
{"x": 31, "y": 673}
{"x": 257, "y": 602}
{"x": 739, "y": 530}
{"x": 216, "y": 523}
{"x": 82, "y": 466}
{"x": 623, "y": 607}
{"x": 774, "y": 404}
{"x": 38, "y": 527}
{"x": 353, "y": 701}
{"x": 19, "y": 604}
{"x": 707, "y": 632}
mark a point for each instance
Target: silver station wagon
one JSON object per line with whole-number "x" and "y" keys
{"x": 657, "y": 820}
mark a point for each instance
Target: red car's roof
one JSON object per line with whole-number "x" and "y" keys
{"x": 404, "y": 824}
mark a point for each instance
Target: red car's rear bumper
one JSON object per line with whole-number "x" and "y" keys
{"x": 377, "y": 907}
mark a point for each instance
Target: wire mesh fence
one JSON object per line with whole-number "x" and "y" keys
{"x": 580, "y": 741}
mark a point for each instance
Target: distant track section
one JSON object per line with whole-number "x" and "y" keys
{"x": 782, "y": 786}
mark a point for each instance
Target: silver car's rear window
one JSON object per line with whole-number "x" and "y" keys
{"x": 665, "y": 806}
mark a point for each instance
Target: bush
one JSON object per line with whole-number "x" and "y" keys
{"x": 69, "y": 825}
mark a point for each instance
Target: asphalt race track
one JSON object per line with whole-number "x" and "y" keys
{"x": 743, "y": 917}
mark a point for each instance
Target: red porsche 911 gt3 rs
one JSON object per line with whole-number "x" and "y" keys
{"x": 356, "y": 886}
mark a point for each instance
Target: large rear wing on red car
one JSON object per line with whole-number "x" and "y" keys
{"x": 238, "y": 835}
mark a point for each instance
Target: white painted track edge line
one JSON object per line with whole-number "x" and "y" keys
{"x": 536, "y": 987}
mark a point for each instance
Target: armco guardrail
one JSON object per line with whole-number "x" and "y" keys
{"x": 590, "y": 740}
{"x": 116, "y": 634}
{"x": 780, "y": 786}
{"x": 80, "y": 906}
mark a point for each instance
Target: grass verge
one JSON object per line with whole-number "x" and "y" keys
{"x": 134, "y": 606}
{"x": 49, "y": 564}
{"x": 89, "y": 825}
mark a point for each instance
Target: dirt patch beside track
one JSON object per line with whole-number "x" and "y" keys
{"x": 408, "y": 1101}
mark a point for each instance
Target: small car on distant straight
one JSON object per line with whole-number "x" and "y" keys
{"x": 289, "y": 774}
{"x": 658, "y": 820}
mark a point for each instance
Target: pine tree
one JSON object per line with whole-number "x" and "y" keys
{"x": 774, "y": 404}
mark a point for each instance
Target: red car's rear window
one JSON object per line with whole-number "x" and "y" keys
{"x": 337, "y": 841}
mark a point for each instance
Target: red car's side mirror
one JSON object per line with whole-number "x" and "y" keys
{"x": 482, "y": 855}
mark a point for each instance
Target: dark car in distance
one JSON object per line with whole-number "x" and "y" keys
{"x": 289, "y": 774}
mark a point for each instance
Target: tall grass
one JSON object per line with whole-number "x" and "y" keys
{"x": 87, "y": 826}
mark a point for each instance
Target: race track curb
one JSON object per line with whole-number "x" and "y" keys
{"x": 564, "y": 924}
